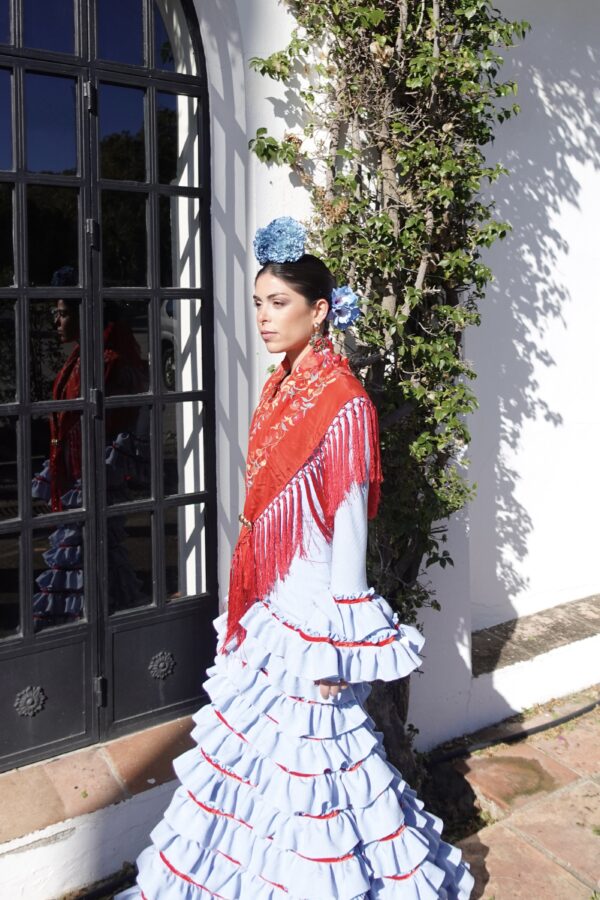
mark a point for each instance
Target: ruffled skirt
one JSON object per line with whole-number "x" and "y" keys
{"x": 289, "y": 795}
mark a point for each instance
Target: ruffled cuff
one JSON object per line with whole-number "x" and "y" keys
{"x": 366, "y": 643}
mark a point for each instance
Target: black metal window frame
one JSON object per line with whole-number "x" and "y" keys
{"x": 89, "y": 72}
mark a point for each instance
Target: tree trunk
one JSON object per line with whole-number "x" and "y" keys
{"x": 388, "y": 706}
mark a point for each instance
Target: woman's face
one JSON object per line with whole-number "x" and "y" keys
{"x": 284, "y": 317}
{"x": 67, "y": 322}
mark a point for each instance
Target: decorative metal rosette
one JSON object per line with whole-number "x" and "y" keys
{"x": 162, "y": 665}
{"x": 30, "y": 701}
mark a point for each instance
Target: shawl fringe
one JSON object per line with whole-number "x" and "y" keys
{"x": 347, "y": 455}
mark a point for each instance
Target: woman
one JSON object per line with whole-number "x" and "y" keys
{"x": 288, "y": 791}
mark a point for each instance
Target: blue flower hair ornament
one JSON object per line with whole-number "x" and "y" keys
{"x": 344, "y": 309}
{"x": 281, "y": 241}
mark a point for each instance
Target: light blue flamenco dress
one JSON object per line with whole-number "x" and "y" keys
{"x": 287, "y": 795}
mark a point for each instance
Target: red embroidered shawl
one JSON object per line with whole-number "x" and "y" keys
{"x": 294, "y": 438}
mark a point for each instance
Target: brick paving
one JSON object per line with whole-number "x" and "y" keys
{"x": 543, "y": 794}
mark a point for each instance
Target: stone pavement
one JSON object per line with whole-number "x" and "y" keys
{"x": 542, "y": 795}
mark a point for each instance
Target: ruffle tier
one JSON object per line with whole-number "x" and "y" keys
{"x": 289, "y": 794}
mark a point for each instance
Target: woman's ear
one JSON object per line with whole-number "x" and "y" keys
{"x": 322, "y": 308}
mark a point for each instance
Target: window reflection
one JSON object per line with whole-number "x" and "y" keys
{"x": 127, "y": 440}
{"x": 120, "y": 31}
{"x": 7, "y": 265}
{"x": 56, "y": 458}
{"x": 183, "y": 447}
{"x": 122, "y": 142}
{"x": 180, "y": 242}
{"x": 185, "y": 551}
{"x": 173, "y": 51}
{"x": 50, "y": 124}
{"x": 55, "y": 365}
{"x": 181, "y": 344}
{"x": 58, "y": 572}
{"x": 52, "y": 231}
{"x": 129, "y": 551}
{"x": 177, "y": 137}
{"x": 5, "y": 120}
{"x": 9, "y": 494}
{"x": 8, "y": 360}
{"x": 9, "y": 585}
{"x": 163, "y": 51}
{"x": 4, "y": 22}
{"x": 126, "y": 336}
{"x": 124, "y": 238}
{"x": 49, "y": 26}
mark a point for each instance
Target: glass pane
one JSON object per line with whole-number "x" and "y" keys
{"x": 5, "y": 120}
{"x": 183, "y": 447}
{"x": 120, "y": 31}
{"x": 184, "y": 551}
{"x": 126, "y": 336}
{"x": 4, "y": 22}
{"x": 52, "y": 230}
{"x": 8, "y": 359}
{"x": 56, "y": 462}
{"x": 129, "y": 544}
{"x": 124, "y": 238}
{"x": 122, "y": 143}
{"x": 177, "y": 136}
{"x": 179, "y": 242}
{"x": 7, "y": 265}
{"x": 9, "y": 585}
{"x": 9, "y": 494}
{"x": 50, "y": 124}
{"x": 49, "y": 26}
{"x": 163, "y": 52}
{"x": 58, "y": 575}
{"x": 173, "y": 50}
{"x": 54, "y": 368}
{"x": 181, "y": 344}
{"x": 127, "y": 440}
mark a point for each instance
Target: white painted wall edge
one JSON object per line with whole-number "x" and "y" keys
{"x": 73, "y": 854}
{"x": 497, "y": 695}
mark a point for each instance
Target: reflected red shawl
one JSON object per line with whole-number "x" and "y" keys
{"x": 297, "y": 435}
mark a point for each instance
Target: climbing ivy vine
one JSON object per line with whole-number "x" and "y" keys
{"x": 396, "y": 102}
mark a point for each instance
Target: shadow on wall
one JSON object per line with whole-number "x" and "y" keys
{"x": 557, "y": 71}
{"x": 232, "y": 314}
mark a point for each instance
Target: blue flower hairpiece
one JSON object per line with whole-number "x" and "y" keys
{"x": 344, "y": 308}
{"x": 281, "y": 241}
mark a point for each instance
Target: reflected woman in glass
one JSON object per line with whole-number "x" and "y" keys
{"x": 60, "y": 596}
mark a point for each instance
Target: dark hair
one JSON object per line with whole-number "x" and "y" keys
{"x": 308, "y": 275}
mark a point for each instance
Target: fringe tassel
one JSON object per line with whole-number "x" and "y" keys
{"x": 264, "y": 553}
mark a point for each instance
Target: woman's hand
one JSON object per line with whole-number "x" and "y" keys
{"x": 331, "y": 688}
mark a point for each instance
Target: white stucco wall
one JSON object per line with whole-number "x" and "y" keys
{"x": 245, "y": 194}
{"x": 528, "y": 540}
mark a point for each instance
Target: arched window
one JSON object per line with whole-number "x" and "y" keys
{"x": 108, "y": 562}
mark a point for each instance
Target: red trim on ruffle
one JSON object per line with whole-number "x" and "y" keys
{"x": 330, "y": 815}
{"x": 222, "y": 718}
{"x": 328, "y": 859}
{"x": 349, "y": 600}
{"x": 187, "y": 877}
{"x": 273, "y": 883}
{"x": 324, "y": 639}
{"x": 402, "y": 877}
{"x": 317, "y": 774}
{"x": 395, "y": 834}
{"x": 218, "y": 812}
{"x": 219, "y": 768}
